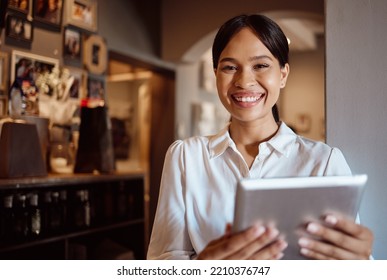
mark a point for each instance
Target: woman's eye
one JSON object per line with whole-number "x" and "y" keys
{"x": 229, "y": 68}
{"x": 261, "y": 66}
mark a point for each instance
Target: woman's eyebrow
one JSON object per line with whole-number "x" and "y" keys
{"x": 253, "y": 58}
{"x": 258, "y": 57}
{"x": 227, "y": 59}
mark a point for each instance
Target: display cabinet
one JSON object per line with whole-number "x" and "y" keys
{"x": 77, "y": 216}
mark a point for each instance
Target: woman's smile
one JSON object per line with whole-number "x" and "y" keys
{"x": 247, "y": 99}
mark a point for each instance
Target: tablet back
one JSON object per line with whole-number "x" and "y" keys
{"x": 289, "y": 203}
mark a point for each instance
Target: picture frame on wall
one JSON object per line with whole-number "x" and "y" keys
{"x": 48, "y": 14}
{"x": 82, "y": 14}
{"x": 79, "y": 87}
{"x": 3, "y": 73}
{"x": 3, "y": 106}
{"x": 19, "y": 30}
{"x": 95, "y": 54}
{"x": 3, "y": 84}
{"x": 72, "y": 46}
{"x": 20, "y": 6}
{"x": 96, "y": 87}
{"x": 26, "y": 65}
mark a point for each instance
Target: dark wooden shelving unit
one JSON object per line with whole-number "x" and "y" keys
{"x": 120, "y": 230}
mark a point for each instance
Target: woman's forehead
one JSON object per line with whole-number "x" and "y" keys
{"x": 246, "y": 43}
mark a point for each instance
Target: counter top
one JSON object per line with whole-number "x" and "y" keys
{"x": 66, "y": 179}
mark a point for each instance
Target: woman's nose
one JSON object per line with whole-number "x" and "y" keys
{"x": 245, "y": 79}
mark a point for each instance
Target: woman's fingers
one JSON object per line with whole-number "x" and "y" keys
{"x": 272, "y": 251}
{"x": 350, "y": 227}
{"x": 257, "y": 242}
{"x": 228, "y": 245}
{"x": 323, "y": 251}
{"x": 343, "y": 239}
{"x": 263, "y": 247}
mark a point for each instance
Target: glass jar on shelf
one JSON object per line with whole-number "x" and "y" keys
{"x": 62, "y": 157}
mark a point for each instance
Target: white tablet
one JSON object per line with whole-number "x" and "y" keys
{"x": 290, "y": 203}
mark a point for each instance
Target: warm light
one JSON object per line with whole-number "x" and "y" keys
{"x": 129, "y": 76}
{"x": 288, "y": 40}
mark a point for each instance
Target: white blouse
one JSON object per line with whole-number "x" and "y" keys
{"x": 199, "y": 180}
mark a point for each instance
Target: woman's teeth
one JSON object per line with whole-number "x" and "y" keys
{"x": 247, "y": 99}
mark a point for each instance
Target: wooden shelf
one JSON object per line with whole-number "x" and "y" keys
{"x": 66, "y": 180}
{"x": 64, "y": 236}
{"x": 105, "y": 191}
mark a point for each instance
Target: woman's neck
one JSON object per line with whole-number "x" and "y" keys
{"x": 248, "y": 136}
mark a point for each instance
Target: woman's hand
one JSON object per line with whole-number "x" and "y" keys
{"x": 341, "y": 239}
{"x": 257, "y": 242}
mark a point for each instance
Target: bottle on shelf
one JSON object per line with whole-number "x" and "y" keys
{"x": 45, "y": 215}
{"x": 82, "y": 209}
{"x": 7, "y": 218}
{"x": 86, "y": 207}
{"x": 55, "y": 215}
{"x": 21, "y": 225}
{"x": 34, "y": 215}
{"x": 63, "y": 209}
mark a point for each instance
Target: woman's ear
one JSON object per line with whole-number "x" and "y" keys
{"x": 284, "y": 75}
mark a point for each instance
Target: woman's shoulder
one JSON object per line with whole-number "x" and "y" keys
{"x": 306, "y": 141}
{"x": 192, "y": 144}
{"x": 305, "y": 144}
{"x": 321, "y": 153}
{"x": 319, "y": 150}
{"x": 314, "y": 145}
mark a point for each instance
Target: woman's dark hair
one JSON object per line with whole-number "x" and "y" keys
{"x": 267, "y": 31}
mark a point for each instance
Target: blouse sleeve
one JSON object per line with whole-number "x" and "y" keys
{"x": 170, "y": 239}
{"x": 337, "y": 165}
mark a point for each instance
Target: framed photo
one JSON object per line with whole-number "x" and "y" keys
{"x": 3, "y": 84}
{"x": 19, "y": 28}
{"x": 3, "y": 73}
{"x": 82, "y": 14}
{"x": 22, "y": 6}
{"x": 79, "y": 86}
{"x": 95, "y": 54}
{"x": 96, "y": 87}
{"x": 27, "y": 66}
{"x": 48, "y": 13}
{"x": 3, "y": 106}
{"x": 72, "y": 46}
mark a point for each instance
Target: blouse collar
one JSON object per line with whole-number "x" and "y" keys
{"x": 281, "y": 142}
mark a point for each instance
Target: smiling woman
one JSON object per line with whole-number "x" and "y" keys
{"x": 250, "y": 59}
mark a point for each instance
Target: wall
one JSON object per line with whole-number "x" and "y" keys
{"x": 356, "y": 98}
{"x": 304, "y": 92}
{"x": 128, "y": 31}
